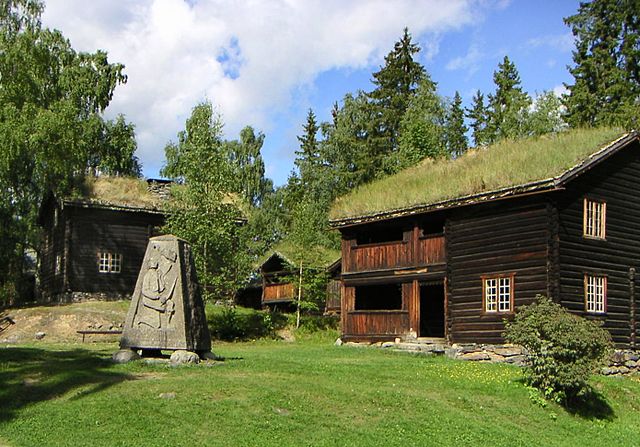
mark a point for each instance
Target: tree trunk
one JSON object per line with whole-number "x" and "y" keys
{"x": 299, "y": 298}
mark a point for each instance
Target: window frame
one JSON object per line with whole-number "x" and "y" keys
{"x": 497, "y": 277}
{"x": 109, "y": 262}
{"x": 595, "y": 277}
{"x": 590, "y": 209}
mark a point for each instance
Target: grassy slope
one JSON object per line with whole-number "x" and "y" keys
{"x": 280, "y": 394}
{"x": 508, "y": 163}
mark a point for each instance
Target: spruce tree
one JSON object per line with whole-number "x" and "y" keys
{"x": 508, "y": 106}
{"x": 606, "y": 88}
{"x": 455, "y": 129}
{"x": 396, "y": 83}
{"x": 478, "y": 114}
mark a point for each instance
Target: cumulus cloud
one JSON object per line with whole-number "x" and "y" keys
{"x": 247, "y": 57}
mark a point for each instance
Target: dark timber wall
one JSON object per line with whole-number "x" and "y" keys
{"x": 79, "y": 234}
{"x": 95, "y": 231}
{"x": 510, "y": 236}
{"x": 615, "y": 181}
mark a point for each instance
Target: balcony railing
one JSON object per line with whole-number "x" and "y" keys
{"x": 392, "y": 255}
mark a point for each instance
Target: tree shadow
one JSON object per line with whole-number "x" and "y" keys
{"x": 32, "y": 375}
{"x": 591, "y": 405}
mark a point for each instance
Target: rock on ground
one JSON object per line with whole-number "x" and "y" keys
{"x": 179, "y": 357}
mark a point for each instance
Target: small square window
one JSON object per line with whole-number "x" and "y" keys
{"x": 497, "y": 294}
{"x": 595, "y": 294}
{"x": 109, "y": 262}
{"x": 594, "y": 219}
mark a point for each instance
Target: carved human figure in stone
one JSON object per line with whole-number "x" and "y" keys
{"x": 156, "y": 307}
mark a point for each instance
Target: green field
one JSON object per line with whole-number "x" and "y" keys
{"x": 303, "y": 393}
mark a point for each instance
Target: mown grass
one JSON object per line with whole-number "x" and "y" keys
{"x": 273, "y": 393}
{"x": 507, "y": 163}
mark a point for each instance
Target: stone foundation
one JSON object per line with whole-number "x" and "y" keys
{"x": 622, "y": 361}
{"x": 78, "y": 297}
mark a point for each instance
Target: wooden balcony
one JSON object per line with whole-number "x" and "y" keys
{"x": 375, "y": 323}
{"x": 392, "y": 255}
{"x": 277, "y": 292}
{"x": 430, "y": 250}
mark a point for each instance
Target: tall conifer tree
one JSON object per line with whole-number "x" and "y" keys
{"x": 606, "y": 88}
{"x": 508, "y": 106}
{"x": 456, "y": 130}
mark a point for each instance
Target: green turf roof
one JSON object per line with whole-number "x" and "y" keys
{"x": 317, "y": 257}
{"x": 507, "y": 164}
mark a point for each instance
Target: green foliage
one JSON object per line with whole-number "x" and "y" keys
{"x": 563, "y": 350}
{"x": 202, "y": 210}
{"x": 547, "y": 115}
{"x": 248, "y": 166}
{"x": 606, "y": 88}
{"x": 51, "y": 126}
{"x": 509, "y": 105}
{"x": 230, "y": 324}
{"x": 422, "y": 131}
{"x": 396, "y": 83}
{"x": 479, "y": 116}
{"x": 456, "y": 130}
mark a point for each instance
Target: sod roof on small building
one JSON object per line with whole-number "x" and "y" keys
{"x": 318, "y": 257}
{"x": 118, "y": 192}
{"x": 510, "y": 167}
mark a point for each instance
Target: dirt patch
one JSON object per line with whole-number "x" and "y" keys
{"x": 60, "y": 323}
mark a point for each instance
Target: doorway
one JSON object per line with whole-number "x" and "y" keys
{"x": 432, "y": 310}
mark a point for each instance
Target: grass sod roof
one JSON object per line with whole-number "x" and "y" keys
{"x": 317, "y": 257}
{"x": 506, "y": 168}
{"x": 118, "y": 192}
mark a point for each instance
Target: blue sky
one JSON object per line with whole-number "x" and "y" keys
{"x": 266, "y": 63}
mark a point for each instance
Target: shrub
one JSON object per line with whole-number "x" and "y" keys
{"x": 563, "y": 349}
{"x": 230, "y": 324}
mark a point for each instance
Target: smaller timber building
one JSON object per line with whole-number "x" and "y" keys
{"x": 93, "y": 245}
{"x": 280, "y": 271}
{"x": 452, "y": 248}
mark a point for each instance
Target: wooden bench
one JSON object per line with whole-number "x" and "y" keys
{"x": 97, "y": 332}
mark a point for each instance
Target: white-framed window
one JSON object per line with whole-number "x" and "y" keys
{"x": 497, "y": 293}
{"x": 595, "y": 294}
{"x": 109, "y": 262}
{"x": 594, "y": 219}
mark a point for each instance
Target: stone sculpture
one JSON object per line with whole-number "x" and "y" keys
{"x": 166, "y": 311}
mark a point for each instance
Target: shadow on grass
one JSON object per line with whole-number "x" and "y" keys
{"x": 591, "y": 405}
{"x": 31, "y": 375}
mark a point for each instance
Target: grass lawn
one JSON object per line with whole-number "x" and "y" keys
{"x": 274, "y": 393}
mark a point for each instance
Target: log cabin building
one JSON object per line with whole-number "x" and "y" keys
{"x": 93, "y": 245}
{"x": 279, "y": 272}
{"x": 484, "y": 234}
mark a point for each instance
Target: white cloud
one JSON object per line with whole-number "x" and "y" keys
{"x": 248, "y": 57}
{"x": 470, "y": 62}
{"x": 559, "y": 42}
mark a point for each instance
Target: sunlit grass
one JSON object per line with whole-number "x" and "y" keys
{"x": 275, "y": 393}
{"x": 507, "y": 163}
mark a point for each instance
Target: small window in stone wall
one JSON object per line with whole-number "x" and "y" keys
{"x": 379, "y": 297}
{"x": 497, "y": 293}
{"x": 595, "y": 294}
{"x": 109, "y": 262}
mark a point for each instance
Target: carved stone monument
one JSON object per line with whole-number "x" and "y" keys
{"x": 166, "y": 311}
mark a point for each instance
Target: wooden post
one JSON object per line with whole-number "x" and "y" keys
{"x": 632, "y": 308}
